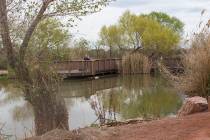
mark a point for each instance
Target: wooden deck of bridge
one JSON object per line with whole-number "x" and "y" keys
{"x": 81, "y": 68}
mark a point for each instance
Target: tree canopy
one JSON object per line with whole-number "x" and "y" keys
{"x": 164, "y": 19}
{"x": 159, "y": 39}
{"x": 157, "y": 32}
{"x": 47, "y": 39}
{"x": 110, "y": 36}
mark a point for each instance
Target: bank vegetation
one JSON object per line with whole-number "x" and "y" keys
{"x": 195, "y": 81}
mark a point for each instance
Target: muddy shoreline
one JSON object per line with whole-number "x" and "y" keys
{"x": 192, "y": 127}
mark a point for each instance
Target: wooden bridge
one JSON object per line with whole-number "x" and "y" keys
{"x": 81, "y": 68}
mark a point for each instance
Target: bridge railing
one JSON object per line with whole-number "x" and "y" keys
{"x": 88, "y": 67}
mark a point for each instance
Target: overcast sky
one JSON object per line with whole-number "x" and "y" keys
{"x": 189, "y": 11}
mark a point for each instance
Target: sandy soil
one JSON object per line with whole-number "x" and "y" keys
{"x": 192, "y": 127}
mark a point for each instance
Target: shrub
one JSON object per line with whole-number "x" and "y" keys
{"x": 196, "y": 77}
{"x": 136, "y": 63}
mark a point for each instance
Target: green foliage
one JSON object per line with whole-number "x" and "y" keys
{"x": 156, "y": 32}
{"x": 49, "y": 33}
{"x": 48, "y": 38}
{"x": 172, "y": 22}
{"x": 110, "y": 36}
{"x": 80, "y": 48}
{"x": 76, "y": 49}
{"x": 3, "y": 78}
{"x": 159, "y": 39}
{"x": 132, "y": 26}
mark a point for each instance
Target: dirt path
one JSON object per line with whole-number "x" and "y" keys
{"x": 193, "y": 127}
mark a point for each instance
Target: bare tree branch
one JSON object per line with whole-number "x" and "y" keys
{"x": 32, "y": 27}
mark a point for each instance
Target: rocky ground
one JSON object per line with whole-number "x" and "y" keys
{"x": 192, "y": 127}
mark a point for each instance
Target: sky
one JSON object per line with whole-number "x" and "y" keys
{"x": 188, "y": 11}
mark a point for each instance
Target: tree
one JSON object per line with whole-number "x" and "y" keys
{"x": 47, "y": 41}
{"x": 81, "y": 47}
{"x": 81, "y": 43}
{"x": 164, "y": 19}
{"x": 26, "y": 16}
{"x": 3, "y": 58}
{"x": 159, "y": 39}
{"x": 109, "y": 37}
{"x": 157, "y": 32}
{"x": 128, "y": 23}
{"x": 96, "y": 50}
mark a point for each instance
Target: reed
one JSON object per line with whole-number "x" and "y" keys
{"x": 136, "y": 63}
{"x": 195, "y": 81}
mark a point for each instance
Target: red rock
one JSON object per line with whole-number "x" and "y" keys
{"x": 193, "y": 105}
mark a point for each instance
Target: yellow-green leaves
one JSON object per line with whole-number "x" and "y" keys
{"x": 48, "y": 37}
{"x": 168, "y": 21}
{"x": 159, "y": 39}
{"x": 155, "y": 32}
{"x": 110, "y": 36}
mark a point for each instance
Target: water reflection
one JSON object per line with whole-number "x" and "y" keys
{"x": 139, "y": 96}
{"x": 48, "y": 109}
{"x": 152, "y": 98}
{"x": 83, "y": 102}
{"x": 49, "y": 112}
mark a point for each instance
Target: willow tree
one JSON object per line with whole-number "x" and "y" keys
{"x": 18, "y": 22}
{"x": 111, "y": 37}
{"x": 48, "y": 41}
{"x": 129, "y": 24}
{"x": 159, "y": 40}
{"x": 169, "y": 21}
{"x": 155, "y": 32}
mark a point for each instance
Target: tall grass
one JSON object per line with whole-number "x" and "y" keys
{"x": 196, "y": 61}
{"x": 136, "y": 63}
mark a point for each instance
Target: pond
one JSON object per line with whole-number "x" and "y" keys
{"x": 87, "y": 102}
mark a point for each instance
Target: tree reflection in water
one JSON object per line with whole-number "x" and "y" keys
{"x": 108, "y": 99}
{"x": 48, "y": 109}
{"x": 49, "y": 112}
{"x": 136, "y": 96}
{"x": 97, "y": 106}
{"x": 106, "y": 113}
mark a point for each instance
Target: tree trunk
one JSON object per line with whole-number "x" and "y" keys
{"x": 5, "y": 35}
{"x": 49, "y": 109}
{"x": 31, "y": 29}
{"x": 110, "y": 52}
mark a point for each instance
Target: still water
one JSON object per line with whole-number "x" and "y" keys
{"x": 88, "y": 102}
